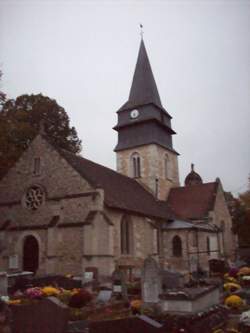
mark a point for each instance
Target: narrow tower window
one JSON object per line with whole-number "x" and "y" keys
{"x": 136, "y": 165}
{"x": 37, "y": 166}
{"x": 208, "y": 246}
{"x": 167, "y": 167}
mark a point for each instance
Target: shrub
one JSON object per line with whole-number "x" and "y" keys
{"x": 80, "y": 299}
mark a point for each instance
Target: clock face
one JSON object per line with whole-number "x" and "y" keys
{"x": 134, "y": 114}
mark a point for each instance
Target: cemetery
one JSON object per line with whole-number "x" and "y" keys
{"x": 158, "y": 301}
{"x": 88, "y": 249}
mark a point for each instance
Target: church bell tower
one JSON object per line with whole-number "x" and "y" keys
{"x": 145, "y": 150}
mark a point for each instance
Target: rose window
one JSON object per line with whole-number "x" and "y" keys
{"x": 34, "y": 197}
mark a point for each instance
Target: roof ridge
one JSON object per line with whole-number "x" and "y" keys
{"x": 195, "y": 185}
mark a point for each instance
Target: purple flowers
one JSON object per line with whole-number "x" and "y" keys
{"x": 34, "y": 292}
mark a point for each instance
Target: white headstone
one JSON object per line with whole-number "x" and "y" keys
{"x": 117, "y": 288}
{"x": 13, "y": 261}
{"x": 104, "y": 296}
{"x": 88, "y": 276}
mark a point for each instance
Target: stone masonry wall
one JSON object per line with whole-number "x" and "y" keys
{"x": 221, "y": 216}
{"x": 193, "y": 253}
{"x": 142, "y": 238}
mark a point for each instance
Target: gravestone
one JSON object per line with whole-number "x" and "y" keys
{"x": 104, "y": 296}
{"x": 193, "y": 262}
{"x": 119, "y": 283}
{"x": 3, "y": 284}
{"x": 90, "y": 274}
{"x": 151, "y": 281}
{"x": 48, "y": 315}
{"x": 172, "y": 279}
{"x": 79, "y": 326}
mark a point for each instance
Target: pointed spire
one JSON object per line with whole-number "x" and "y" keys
{"x": 144, "y": 89}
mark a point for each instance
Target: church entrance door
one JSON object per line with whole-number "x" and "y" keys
{"x": 30, "y": 254}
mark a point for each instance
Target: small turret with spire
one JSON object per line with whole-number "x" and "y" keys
{"x": 193, "y": 178}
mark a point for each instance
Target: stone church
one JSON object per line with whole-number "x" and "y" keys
{"x": 61, "y": 213}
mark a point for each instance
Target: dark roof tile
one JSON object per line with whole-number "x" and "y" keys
{"x": 193, "y": 202}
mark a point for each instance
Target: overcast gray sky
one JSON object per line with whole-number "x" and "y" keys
{"x": 83, "y": 54}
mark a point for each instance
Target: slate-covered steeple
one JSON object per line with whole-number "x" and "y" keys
{"x": 142, "y": 119}
{"x": 145, "y": 150}
{"x": 143, "y": 89}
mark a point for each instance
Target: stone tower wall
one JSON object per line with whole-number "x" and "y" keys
{"x": 152, "y": 167}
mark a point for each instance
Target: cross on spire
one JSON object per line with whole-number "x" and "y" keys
{"x": 141, "y": 31}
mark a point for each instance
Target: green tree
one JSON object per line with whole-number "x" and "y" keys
{"x": 20, "y": 120}
{"x": 2, "y": 94}
{"x": 241, "y": 218}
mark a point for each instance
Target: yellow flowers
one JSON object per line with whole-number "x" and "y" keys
{"x": 230, "y": 279}
{"x": 50, "y": 291}
{"x": 230, "y": 286}
{"x": 14, "y": 302}
{"x": 136, "y": 304}
{"x": 244, "y": 271}
{"x": 69, "y": 276}
{"x": 234, "y": 302}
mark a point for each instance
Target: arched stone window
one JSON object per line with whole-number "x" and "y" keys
{"x": 136, "y": 165}
{"x": 126, "y": 236}
{"x": 208, "y": 246}
{"x": 177, "y": 246}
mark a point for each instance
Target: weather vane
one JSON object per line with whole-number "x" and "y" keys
{"x": 141, "y": 32}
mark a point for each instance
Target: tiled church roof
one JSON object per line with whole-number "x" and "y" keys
{"x": 120, "y": 191}
{"x": 193, "y": 202}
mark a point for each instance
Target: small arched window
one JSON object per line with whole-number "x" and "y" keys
{"x": 177, "y": 246}
{"x": 125, "y": 236}
{"x": 167, "y": 167}
{"x": 208, "y": 246}
{"x": 136, "y": 165}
